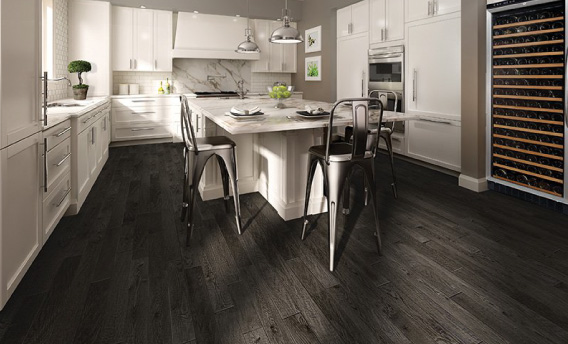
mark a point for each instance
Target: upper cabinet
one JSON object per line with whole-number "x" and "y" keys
{"x": 142, "y": 39}
{"x": 421, "y": 9}
{"x": 354, "y": 19}
{"x": 274, "y": 58}
{"x": 386, "y": 20}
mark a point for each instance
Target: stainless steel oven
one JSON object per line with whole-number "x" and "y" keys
{"x": 386, "y": 68}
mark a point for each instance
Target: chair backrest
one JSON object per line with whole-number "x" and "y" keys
{"x": 187, "y": 132}
{"x": 360, "y": 116}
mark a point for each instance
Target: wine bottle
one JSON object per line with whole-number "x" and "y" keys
{"x": 168, "y": 86}
{"x": 161, "y": 89}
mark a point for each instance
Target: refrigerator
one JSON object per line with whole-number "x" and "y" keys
{"x": 526, "y": 96}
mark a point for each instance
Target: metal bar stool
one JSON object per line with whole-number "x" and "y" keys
{"x": 337, "y": 161}
{"x": 197, "y": 152}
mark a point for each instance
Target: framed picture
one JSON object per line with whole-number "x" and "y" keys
{"x": 312, "y": 68}
{"x": 313, "y": 39}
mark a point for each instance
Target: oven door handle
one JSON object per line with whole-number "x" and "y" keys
{"x": 374, "y": 58}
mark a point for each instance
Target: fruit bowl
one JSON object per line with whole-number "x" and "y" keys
{"x": 280, "y": 92}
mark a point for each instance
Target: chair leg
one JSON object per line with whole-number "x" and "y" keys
{"x": 337, "y": 174}
{"x": 311, "y": 172}
{"x": 199, "y": 162}
{"x": 388, "y": 141}
{"x": 225, "y": 181}
{"x": 372, "y": 186}
{"x": 346, "y": 194}
{"x": 184, "y": 201}
{"x": 229, "y": 156}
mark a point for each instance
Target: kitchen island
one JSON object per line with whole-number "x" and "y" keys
{"x": 272, "y": 149}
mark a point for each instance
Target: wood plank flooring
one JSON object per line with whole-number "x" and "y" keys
{"x": 458, "y": 267}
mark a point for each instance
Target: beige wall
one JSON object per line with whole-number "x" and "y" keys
{"x": 314, "y": 13}
{"x": 473, "y": 88}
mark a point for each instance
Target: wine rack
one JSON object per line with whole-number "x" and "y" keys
{"x": 527, "y": 98}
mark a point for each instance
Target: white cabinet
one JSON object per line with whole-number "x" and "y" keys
{"x": 274, "y": 58}
{"x": 89, "y": 147}
{"x": 144, "y": 118}
{"x": 435, "y": 141}
{"x": 353, "y": 20}
{"x": 20, "y": 86}
{"x": 142, "y": 39}
{"x": 433, "y": 72}
{"x": 352, "y": 66}
{"x": 20, "y": 230}
{"x": 386, "y": 20}
{"x": 421, "y": 9}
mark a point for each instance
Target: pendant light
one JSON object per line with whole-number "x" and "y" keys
{"x": 286, "y": 33}
{"x": 248, "y": 46}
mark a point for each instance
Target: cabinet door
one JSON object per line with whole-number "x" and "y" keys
{"x": 163, "y": 44}
{"x": 360, "y": 17}
{"x": 95, "y": 151}
{"x": 434, "y": 68}
{"x": 447, "y": 6}
{"x": 352, "y": 66}
{"x": 144, "y": 40}
{"x": 20, "y": 71}
{"x": 394, "y": 20}
{"x": 82, "y": 158}
{"x": 289, "y": 53}
{"x": 438, "y": 143}
{"x": 20, "y": 231}
{"x": 344, "y": 21}
{"x": 377, "y": 21}
{"x": 105, "y": 134}
{"x": 122, "y": 38}
{"x": 261, "y": 34}
{"x": 418, "y": 9}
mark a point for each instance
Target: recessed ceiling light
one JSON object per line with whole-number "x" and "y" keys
{"x": 142, "y": 6}
{"x": 196, "y": 12}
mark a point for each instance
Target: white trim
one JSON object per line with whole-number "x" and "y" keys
{"x": 473, "y": 184}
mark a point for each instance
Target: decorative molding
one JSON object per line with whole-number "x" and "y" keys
{"x": 473, "y": 184}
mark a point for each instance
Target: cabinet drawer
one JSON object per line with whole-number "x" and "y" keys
{"x": 57, "y": 134}
{"x": 154, "y": 114}
{"x": 58, "y": 162}
{"x": 91, "y": 117}
{"x": 145, "y": 102}
{"x": 435, "y": 142}
{"x": 55, "y": 205}
{"x": 141, "y": 133}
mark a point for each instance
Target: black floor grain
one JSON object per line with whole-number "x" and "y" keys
{"x": 458, "y": 267}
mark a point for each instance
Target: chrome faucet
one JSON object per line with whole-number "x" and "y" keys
{"x": 45, "y": 79}
{"x": 241, "y": 89}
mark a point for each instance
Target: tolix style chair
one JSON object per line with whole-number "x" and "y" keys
{"x": 337, "y": 161}
{"x": 197, "y": 151}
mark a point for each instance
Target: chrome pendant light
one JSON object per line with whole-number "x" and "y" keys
{"x": 286, "y": 33}
{"x": 248, "y": 46}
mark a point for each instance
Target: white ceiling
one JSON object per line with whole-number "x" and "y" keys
{"x": 265, "y": 9}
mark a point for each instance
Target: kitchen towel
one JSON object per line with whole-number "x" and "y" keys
{"x": 123, "y": 89}
{"x": 134, "y": 89}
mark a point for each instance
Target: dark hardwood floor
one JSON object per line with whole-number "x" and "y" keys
{"x": 458, "y": 267}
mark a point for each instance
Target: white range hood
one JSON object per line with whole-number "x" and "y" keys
{"x": 205, "y": 36}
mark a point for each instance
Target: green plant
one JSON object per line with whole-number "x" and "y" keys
{"x": 79, "y": 67}
{"x": 313, "y": 69}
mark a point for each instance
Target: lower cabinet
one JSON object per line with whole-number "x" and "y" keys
{"x": 435, "y": 141}
{"x": 21, "y": 195}
{"x": 90, "y": 140}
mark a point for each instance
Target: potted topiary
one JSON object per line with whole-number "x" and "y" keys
{"x": 79, "y": 66}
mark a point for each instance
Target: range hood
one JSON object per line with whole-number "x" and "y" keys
{"x": 206, "y": 36}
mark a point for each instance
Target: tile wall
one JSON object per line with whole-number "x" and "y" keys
{"x": 148, "y": 82}
{"x": 60, "y": 89}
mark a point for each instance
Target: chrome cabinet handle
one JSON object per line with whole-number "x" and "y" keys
{"x": 105, "y": 124}
{"x": 93, "y": 135}
{"x": 385, "y": 33}
{"x": 155, "y": 64}
{"x": 45, "y": 165}
{"x": 143, "y": 113}
{"x": 141, "y": 129}
{"x": 434, "y": 121}
{"x": 144, "y": 101}
{"x": 131, "y": 64}
{"x": 415, "y": 86}
{"x": 88, "y": 119}
{"x": 62, "y": 132}
{"x": 350, "y": 28}
{"x": 135, "y": 64}
{"x": 382, "y": 35}
{"x": 63, "y": 198}
{"x": 435, "y": 8}
{"x": 63, "y": 160}
{"x": 429, "y": 8}
{"x": 45, "y": 78}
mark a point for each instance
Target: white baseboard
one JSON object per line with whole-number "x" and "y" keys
{"x": 473, "y": 184}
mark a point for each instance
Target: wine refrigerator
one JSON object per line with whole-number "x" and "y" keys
{"x": 526, "y": 97}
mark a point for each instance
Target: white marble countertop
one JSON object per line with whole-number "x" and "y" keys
{"x": 151, "y": 95}
{"x": 58, "y": 114}
{"x": 279, "y": 119}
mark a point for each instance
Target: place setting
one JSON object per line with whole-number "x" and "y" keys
{"x": 240, "y": 114}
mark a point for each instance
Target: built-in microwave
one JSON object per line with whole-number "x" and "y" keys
{"x": 386, "y": 68}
